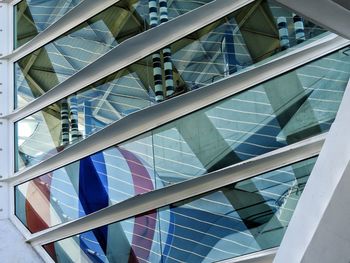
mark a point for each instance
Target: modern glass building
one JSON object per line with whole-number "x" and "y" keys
{"x": 174, "y": 131}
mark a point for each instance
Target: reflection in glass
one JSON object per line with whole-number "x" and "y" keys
{"x": 235, "y": 220}
{"x": 297, "y": 105}
{"x": 48, "y": 66}
{"x": 34, "y": 16}
{"x": 197, "y": 60}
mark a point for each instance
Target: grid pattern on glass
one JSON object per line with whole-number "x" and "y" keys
{"x": 235, "y": 220}
{"x": 197, "y": 60}
{"x": 34, "y": 16}
{"x": 48, "y": 66}
{"x": 297, "y": 105}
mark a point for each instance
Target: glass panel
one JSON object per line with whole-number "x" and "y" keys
{"x": 197, "y": 60}
{"x": 48, "y": 66}
{"x": 297, "y": 105}
{"x": 235, "y": 220}
{"x": 34, "y": 16}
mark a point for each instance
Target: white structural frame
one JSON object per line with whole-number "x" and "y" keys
{"x": 155, "y": 116}
{"x": 325, "y": 232}
{"x": 264, "y": 256}
{"x": 132, "y": 50}
{"x": 250, "y": 168}
{"x": 326, "y": 13}
{"x": 171, "y": 194}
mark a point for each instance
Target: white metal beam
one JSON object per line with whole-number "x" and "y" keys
{"x": 82, "y": 12}
{"x": 264, "y": 256}
{"x": 319, "y": 229}
{"x": 132, "y": 50}
{"x": 174, "y": 193}
{"x": 326, "y": 13}
{"x": 143, "y": 121}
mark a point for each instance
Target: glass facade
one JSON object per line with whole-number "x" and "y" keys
{"x": 217, "y": 51}
{"x": 297, "y": 105}
{"x": 50, "y": 65}
{"x": 34, "y": 16}
{"x": 201, "y": 58}
{"x": 235, "y": 220}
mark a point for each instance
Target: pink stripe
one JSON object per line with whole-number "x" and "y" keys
{"x": 145, "y": 224}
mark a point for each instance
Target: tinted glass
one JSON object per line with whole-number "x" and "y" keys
{"x": 284, "y": 110}
{"x": 34, "y": 16}
{"x": 209, "y": 54}
{"x": 48, "y": 66}
{"x": 238, "y": 219}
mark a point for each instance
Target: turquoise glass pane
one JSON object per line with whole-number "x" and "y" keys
{"x": 34, "y": 16}
{"x": 297, "y": 105}
{"x": 238, "y": 219}
{"x": 209, "y": 54}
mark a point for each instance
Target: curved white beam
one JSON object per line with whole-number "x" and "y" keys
{"x": 181, "y": 191}
{"x": 319, "y": 229}
{"x": 131, "y": 51}
{"x": 326, "y": 13}
{"x": 80, "y": 13}
{"x": 146, "y": 120}
{"x": 264, "y": 256}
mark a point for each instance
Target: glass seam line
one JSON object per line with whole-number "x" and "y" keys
{"x": 88, "y": 9}
{"x": 152, "y": 117}
{"x": 152, "y": 200}
{"x": 131, "y": 51}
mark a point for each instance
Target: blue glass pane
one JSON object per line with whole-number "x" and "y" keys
{"x": 50, "y": 65}
{"x": 235, "y": 220}
{"x": 209, "y": 54}
{"x": 34, "y": 16}
{"x": 297, "y": 105}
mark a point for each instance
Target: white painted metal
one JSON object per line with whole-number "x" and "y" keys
{"x": 325, "y": 13}
{"x": 89, "y": 8}
{"x": 82, "y": 12}
{"x": 4, "y": 144}
{"x": 155, "y": 116}
{"x": 264, "y": 256}
{"x": 13, "y": 247}
{"x": 133, "y": 50}
{"x": 168, "y": 195}
{"x": 319, "y": 230}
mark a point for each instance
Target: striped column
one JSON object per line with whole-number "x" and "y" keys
{"x": 74, "y": 117}
{"x": 283, "y": 32}
{"x": 64, "y": 122}
{"x": 153, "y": 13}
{"x": 157, "y": 70}
{"x": 299, "y": 28}
{"x": 168, "y": 66}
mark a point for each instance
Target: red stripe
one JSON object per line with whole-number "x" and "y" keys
{"x": 144, "y": 226}
{"x": 38, "y": 193}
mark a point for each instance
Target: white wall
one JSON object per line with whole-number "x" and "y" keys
{"x": 13, "y": 248}
{"x": 319, "y": 230}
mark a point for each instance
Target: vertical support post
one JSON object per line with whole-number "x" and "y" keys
{"x": 299, "y": 29}
{"x": 88, "y": 118}
{"x": 157, "y": 70}
{"x": 73, "y": 103}
{"x": 64, "y": 122}
{"x": 168, "y": 66}
{"x": 6, "y": 139}
{"x": 283, "y": 32}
